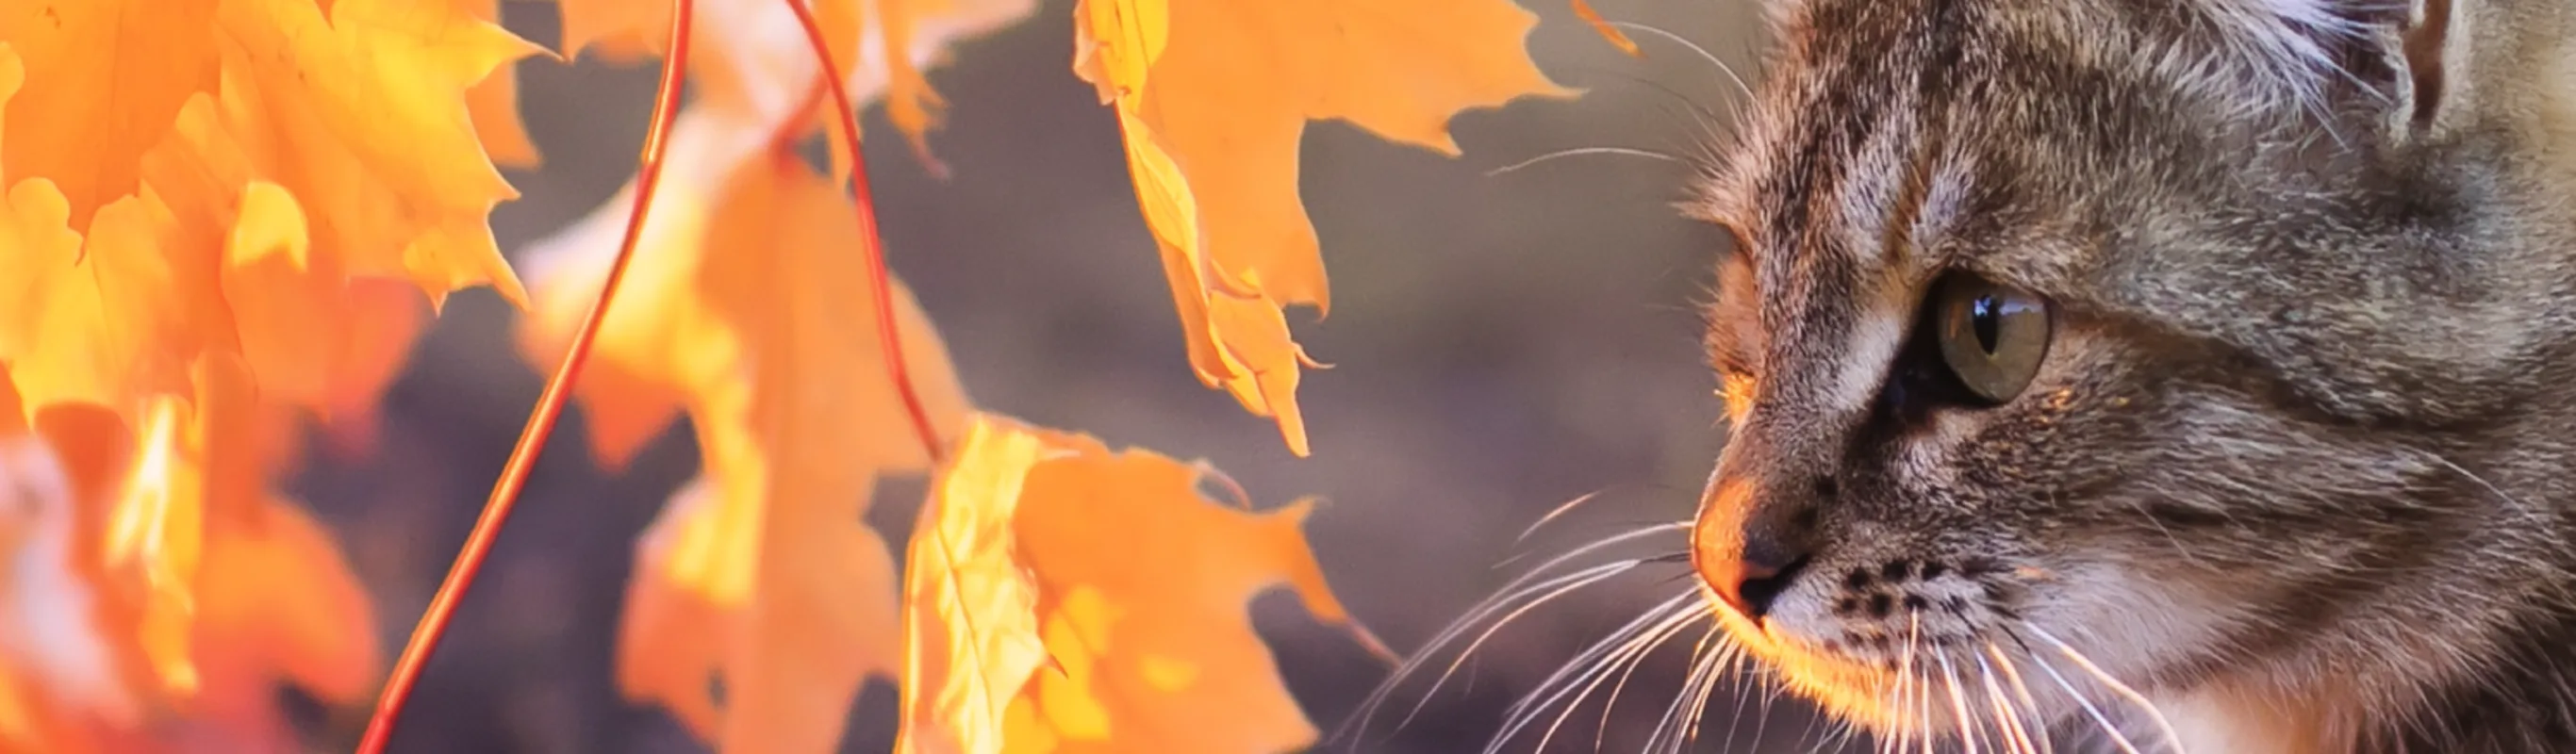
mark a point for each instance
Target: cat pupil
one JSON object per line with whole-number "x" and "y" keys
{"x": 1986, "y": 318}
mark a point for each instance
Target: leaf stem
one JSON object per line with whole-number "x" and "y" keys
{"x": 889, "y": 331}
{"x": 550, "y": 405}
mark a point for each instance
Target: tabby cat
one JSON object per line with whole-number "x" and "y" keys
{"x": 2203, "y": 371}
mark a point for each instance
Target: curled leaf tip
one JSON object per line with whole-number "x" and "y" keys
{"x": 1602, "y": 26}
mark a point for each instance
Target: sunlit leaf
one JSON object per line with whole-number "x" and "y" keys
{"x": 363, "y": 118}
{"x": 494, "y": 104}
{"x": 90, "y": 322}
{"x": 970, "y": 636}
{"x": 105, "y": 78}
{"x": 750, "y": 58}
{"x": 61, "y": 686}
{"x": 1135, "y": 586}
{"x": 749, "y": 307}
{"x": 1215, "y": 161}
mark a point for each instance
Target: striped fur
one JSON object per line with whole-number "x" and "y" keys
{"x": 2297, "y": 467}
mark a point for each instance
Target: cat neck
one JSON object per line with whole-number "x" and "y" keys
{"x": 2511, "y": 690}
{"x": 2229, "y": 719}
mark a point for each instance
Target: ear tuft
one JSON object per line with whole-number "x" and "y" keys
{"x": 2427, "y": 44}
{"x": 2402, "y": 51}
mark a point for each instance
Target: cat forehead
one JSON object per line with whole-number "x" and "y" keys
{"x": 1886, "y": 123}
{"x": 1905, "y": 134}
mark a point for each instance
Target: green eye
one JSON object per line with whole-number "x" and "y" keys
{"x": 1992, "y": 336}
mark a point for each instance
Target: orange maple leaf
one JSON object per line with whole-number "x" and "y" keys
{"x": 83, "y": 322}
{"x": 62, "y": 687}
{"x": 362, "y": 117}
{"x": 748, "y": 305}
{"x": 219, "y": 214}
{"x": 1215, "y": 161}
{"x": 252, "y": 634}
{"x": 750, "y": 57}
{"x": 105, "y": 78}
{"x": 494, "y": 104}
{"x": 193, "y": 548}
{"x": 345, "y": 143}
{"x": 145, "y": 574}
{"x": 1044, "y": 539}
{"x": 970, "y": 631}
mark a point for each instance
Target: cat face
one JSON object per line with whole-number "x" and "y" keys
{"x": 2082, "y": 352}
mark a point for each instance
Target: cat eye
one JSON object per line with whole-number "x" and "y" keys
{"x": 1992, "y": 336}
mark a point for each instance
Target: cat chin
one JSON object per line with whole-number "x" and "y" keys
{"x": 1862, "y": 691}
{"x": 1870, "y": 696}
{"x": 2094, "y": 627}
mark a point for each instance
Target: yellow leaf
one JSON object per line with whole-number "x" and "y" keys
{"x": 494, "y": 103}
{"x": 154, "y": 532}
{"x": 312, "y": 334}
{"x": 649, "y": 353}
{"x": 61, "y": 689}
{"x": 751, "y": 59}
{"x": 1135, "y": 585}
{"x": 104, "y": 80}
{"x": 749, "y": 306}
{"x": 319, "y": 635}
{"x": 1215, "y": 162}
{"x": 363, "y": 118}
{"x": 377, "y": 323}
{"x": 276, "y": 296}
{"x": 970, "y": 633}
{"x": 94, "y": 322}
{"x": 219, "y": 588}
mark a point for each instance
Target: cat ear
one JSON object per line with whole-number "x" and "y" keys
{"x": 2407, "y": 54}
{"x": 2432, "y": 44}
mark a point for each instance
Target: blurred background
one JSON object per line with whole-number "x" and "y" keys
{"x": 1503, "y": 344}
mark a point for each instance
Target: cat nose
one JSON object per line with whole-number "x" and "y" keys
{"x": 1757, "y": 577}
{"x": 1749, "y": 551}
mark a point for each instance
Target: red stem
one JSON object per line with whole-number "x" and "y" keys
{"x": 541, "y": 422}
{"x": 889, "y": 332}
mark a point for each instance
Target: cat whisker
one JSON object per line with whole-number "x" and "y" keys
{"x": 1552, "y": 514}
{"x": 1837, "y": 740}
{"x": 2021, "y": 691}
{"x": 1566, "y": 585}
{"x": 1969, "y": 730}
{"x": 1761, "y": 719}
{"x": 1682, "y": 716}
{"x": 1584, "y": 674}
{"x": 1969, "y": 724}
{"x": 1704, "y": 54}
{"x": 2008, "y": 719}
{"x": 1596, "y": 546}
{"x": 1601, "y": 734}
{"x": 1905, "y": 688}
{"x": 1681, "y": 696}
{"x": 1733, "y": 657}
{"x": 1663, "y": 618}
{"x": 2117, "y": 738}
{"x": 1679, "y": 729}
{"x": 1511, "y": 594}
{"x": 1622, "y": 151}
{"x": 2482, "y": 482}
{"x": 1672, "y": 710}
{"x": 2163, "y": 726}
{"x": 1923, "y": 689}
{"x": 2185, "y": 552}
